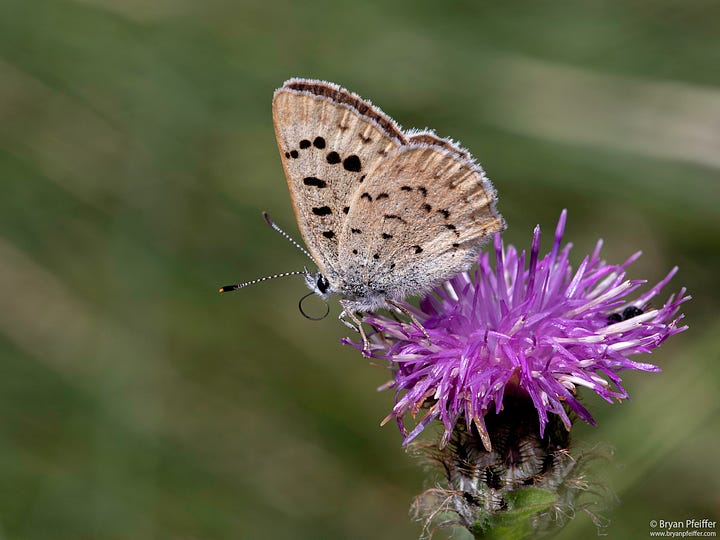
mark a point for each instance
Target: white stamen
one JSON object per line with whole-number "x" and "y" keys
{"x": 621, "y": 346}
{"x": 582, "y": 339}
{"x": 451, "y": 291}
{"x": 600, "y": 287}
{"x": 572, "y": 379}
{"x": 586, "y": 363}
{"x": 517, "y": 326}
{"x": 600, "y": 299}
{"x": 628, "y": 324}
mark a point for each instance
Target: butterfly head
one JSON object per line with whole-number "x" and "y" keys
{"x": 318, "y": 284}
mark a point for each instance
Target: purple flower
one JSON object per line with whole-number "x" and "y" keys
{"x": 539, "y": 331}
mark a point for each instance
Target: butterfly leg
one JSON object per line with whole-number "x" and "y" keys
{"x": 410, "y": 315}
{"x": 356, "y": 324}
{"x": 343, "y": 319}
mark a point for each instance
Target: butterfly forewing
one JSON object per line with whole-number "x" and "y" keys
{"x": 418, "y": 219}
{"x": 328, "y": 140}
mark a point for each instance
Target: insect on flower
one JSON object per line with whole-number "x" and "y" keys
{"x": 539, "y": 330}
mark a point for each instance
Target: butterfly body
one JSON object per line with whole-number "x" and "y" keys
{"x": 385, "y": 213}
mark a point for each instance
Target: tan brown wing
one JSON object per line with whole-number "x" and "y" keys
{"x": 328, "y": 139}
{"x": 419, "y": 218}
{"x": 430, "y": 138}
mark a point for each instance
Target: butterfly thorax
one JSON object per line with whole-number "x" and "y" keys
{"x": 371, "y": 287}
{"x": 363, "y": 299}
{"x": 358, "y": 295}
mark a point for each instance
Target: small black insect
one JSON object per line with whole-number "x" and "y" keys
{"x": 627, "y": 313}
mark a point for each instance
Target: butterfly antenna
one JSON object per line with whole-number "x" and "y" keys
{"x": 285, "y": 235}
{"x": 228, "y": 288}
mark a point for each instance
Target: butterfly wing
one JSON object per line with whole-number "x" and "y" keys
{"x": 418, "y": 219}
{"x": 428, "y": 137}
{"x": 328, "y": 139}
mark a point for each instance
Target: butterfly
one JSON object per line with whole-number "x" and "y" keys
{"x": 384, "y": 213}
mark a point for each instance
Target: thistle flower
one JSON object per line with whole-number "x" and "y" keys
{"x": 539, "y": 332}
{"x": 526, "y": 487}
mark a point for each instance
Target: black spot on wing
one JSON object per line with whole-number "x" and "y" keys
{"x": 333, "y": 158}
{"x": 322, "y": 211}
{"x": 453, "y": 228}
{"x": 394, "y": 216}
{"x": 367, "y": 196}
{"x": 386, "y": 236}
{"x": 376, "y": 256}
{"x": 445, "y": 213}
{"x": 355, "y": 231}
{"x": 294, "y": 154}
{"x": 381, "y": 196}
{"x": 422, "y": 190}
{"x": 406, "y": 188}
{"x": 426, "y": 207}
{"x": 319, "y": 142}
{"x": 304, "y": 144}
{"x": 352, "y": 163}
{"x": 315, "y": 182}
{"x": 418, "y": 249}
{"x": 328, "y": 234}
{"x": 346, "y": 210}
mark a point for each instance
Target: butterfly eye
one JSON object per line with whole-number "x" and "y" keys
{"x": 322, "y": 284}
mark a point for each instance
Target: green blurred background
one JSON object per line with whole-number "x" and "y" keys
{"x": 136, "y": 155}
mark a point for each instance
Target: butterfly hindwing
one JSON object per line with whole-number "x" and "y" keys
{"x": 328, "y": 140}
{"x": 418, "y": 219}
